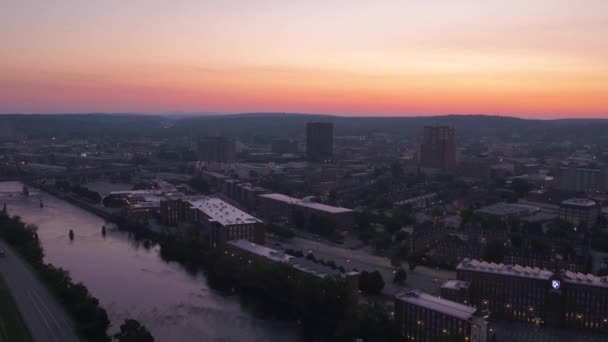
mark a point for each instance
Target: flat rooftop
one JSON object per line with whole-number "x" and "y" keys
{"x": 454, "y": 284}
{"x": 508, "y": 209}
{"x": 509, "y": 270}
{"x": 219, "y": 211}
{"x": 585, "y": 279}
{"x": 144, "y": 205}
{"x": 416, "y": 199}
{"x": 307, "y": 203}
{"x": 260, "y": 250}
{"x": 579, "y": 202}
{"x": 136, "y": 192}
{"x": 314, "y": 268}
{"x": 444, "y": 306}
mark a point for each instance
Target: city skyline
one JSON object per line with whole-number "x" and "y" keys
{"x": 535, "y": 60}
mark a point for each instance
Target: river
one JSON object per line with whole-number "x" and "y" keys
{"x": 131, "y": 281}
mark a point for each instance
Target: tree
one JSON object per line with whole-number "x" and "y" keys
{"x": 396, "y": 170}
{"x": 112, "y": 202}
{"x": 494, "y": 251}
{"x": 279, "y": 231}
{"x": 467, "y": 215}
{"x": 400, "y": 277}
{"x": 371, "y": 283}
{"x": 436, "y": 212}
{"x": 332, "y": 198}
{"x": 405, "y": 215}
{"x": 132, "y": 331}
{"x": 382, "y": 242}
{"x": 392, "y": 225}
{"x": 521, "y": 187}
{"x": 395, "y": 260}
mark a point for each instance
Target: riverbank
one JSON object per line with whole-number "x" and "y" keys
{"x": 132, "y": 280}
{"x": 95, "y": 209}
{"x": 29, "y": 277}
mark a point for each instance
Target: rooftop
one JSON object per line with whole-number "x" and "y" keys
{"x": 219, "y": 211}
{"x": 441, "y": 305}
{"x": 301, "y": 264}
{"x": 511, "y": 270}
{"x": 306, "y": 203}
{"x": 454, "y": 284}
{"x": 416, "y": 199}
{"x": 314, "y": 268}
{"x": 579, "y": 202}
{"x": 143, "y": 205}
{"x": 585, "y": 279}
{"x": 136, "y": 192}
{"x": 260, "y": 250}
{"x": 508, "y": 209}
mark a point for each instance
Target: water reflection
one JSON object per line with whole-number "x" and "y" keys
{"x": 131, "y": 280}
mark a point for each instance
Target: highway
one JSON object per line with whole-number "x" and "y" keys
{"x": 43, "y": 315}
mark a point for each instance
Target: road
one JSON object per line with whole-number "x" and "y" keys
{"x": 43, "y": 315}
{"x": 423, "y": 278}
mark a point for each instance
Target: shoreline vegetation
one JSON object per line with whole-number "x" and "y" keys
{"x": 91, "y": 320}
{"x": 10, "y": 317}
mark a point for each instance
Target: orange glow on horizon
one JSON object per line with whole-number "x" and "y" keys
{"x": 392, "y": 58}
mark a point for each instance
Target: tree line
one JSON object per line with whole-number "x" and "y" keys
{"x": 80, "y": 191}
{"x": 91, "y": 319}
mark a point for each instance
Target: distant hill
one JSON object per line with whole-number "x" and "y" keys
{"x": 251, "y": 125}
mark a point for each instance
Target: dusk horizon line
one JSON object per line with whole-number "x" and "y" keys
{"x": 209, "y": 114}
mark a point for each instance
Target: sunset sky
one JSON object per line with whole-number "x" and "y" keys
{"x": 528, "y": 58}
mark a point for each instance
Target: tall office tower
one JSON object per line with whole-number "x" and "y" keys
{"x": 320, "y": 141}
{"x": 216, "y": 149}
{"x": 438, "y": 150}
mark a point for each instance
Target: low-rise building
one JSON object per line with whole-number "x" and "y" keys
{"x": 282, "y": 206}
{"x": 508, "y": 210}
{"x": 144, "y": 203}
{"x": 245, "y": 194}
{"x": 456, "y": 290}
{"x": 220, "y": 221}
{"x": 585, "y": 300}
{"x": 419, "y": 202}
{"x": 423, "y": 317}
{"x": 538, "y": 296}
{"x": 301, "y": 264}
{"x": 507, "y": 291}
